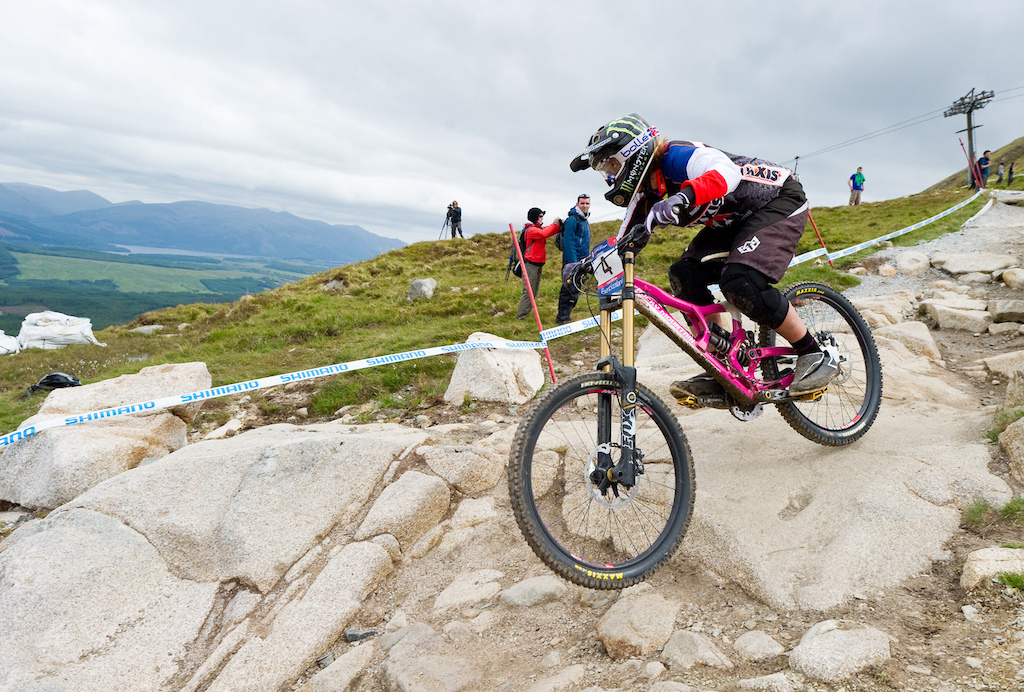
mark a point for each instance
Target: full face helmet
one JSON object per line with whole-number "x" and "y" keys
{"x": 621, "y": 151}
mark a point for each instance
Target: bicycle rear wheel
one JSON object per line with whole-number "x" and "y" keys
{"x": 601, "y": 540}
{"x": 850, "y": 404}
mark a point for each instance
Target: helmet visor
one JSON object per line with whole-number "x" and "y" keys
{"x": 609, "y": 166}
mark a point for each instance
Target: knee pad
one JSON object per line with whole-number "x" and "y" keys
{"x": 688, "y": 281}
{"x": 749, "y": 290}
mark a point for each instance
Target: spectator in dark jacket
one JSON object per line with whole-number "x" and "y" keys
{"x": 536, "y": 255}
{"x": 575, "y": 246}
{"x": 983, "y": 164}
{"x": 455, "y": 217}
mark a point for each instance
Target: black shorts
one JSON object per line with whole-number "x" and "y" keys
{"x": 766, "y": 240}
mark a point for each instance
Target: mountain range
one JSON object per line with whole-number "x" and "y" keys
{"x": 30, "y": 214}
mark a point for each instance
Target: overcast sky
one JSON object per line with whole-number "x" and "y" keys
{"x": 381, "y": 113}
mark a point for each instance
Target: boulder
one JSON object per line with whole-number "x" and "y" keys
{"x": 469, "y": 589}
{"x": 915, "y": 336}
{"x": 896, "y": 307}
{"x": 1005, "y": 364}
{"x": 970, "y": 262}
{"x": 687, "y": 649}
{"x": 531, "y": 592}
{"x": 955, "y": 301}
{"x": 757, "y": 646}
{"x": 511, "y": 376}
{"x": 964, "y": 320}
{"x": 912, "y": 263}
{"x": 58, "y": 464}
{"x": 637, "y": 625}
{"x": 988, "y": 563}
{"x": 1014, "y": 277}
{"x": 1006, "y": 310}
{"x": 833, "y": 651}
{"x": 1012, "y": 442}
{"x": 421, "y": 288}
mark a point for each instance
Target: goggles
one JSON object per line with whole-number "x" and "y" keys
{"x": 609, "y": 166}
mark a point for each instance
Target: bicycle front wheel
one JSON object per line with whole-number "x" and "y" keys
{"x": 606, "y": 537}
{"x": 850, "y": 404}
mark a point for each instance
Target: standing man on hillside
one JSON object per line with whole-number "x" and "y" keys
{"x": 983, "y": 164}
{"x": 856, "y": 183}
{"x": 575, "y": 246}
{"x": 536, "y": 254}
{"x": 455, "y": 217}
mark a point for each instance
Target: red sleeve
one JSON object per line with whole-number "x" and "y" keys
{"x": 549, "y": 231}
{"x": 709, "y": 186}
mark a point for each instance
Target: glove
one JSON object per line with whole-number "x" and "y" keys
{"x": 635, "y": 239}
{"x": 666, "y": 212}
{"x": 575, "y": 273}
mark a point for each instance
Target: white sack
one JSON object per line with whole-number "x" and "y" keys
{"x": 8, "y": 344}
{"x": 51, "y": 330}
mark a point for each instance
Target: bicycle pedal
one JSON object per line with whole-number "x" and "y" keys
{"x": 810, "y": 396}
{"x": 689, "y": 401}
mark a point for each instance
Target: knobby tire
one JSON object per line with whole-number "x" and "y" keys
{"x": 850, "y": 404}
{"x": 599, "y": 541}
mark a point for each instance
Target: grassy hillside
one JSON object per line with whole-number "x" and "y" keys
{"x": 301, "y": 325}
{"x": 1014, "y": 151}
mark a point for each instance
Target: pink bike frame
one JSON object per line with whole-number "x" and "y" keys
{"x": 742, "y": 381}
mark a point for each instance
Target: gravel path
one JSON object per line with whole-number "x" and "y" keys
{"x": 992, "y": 231}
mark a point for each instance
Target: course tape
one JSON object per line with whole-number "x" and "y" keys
{"x": 275, "y": 380}
{"x": 253, "y": 385}
{"x": 888, "y": 236}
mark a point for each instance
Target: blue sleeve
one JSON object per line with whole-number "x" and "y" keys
{"x": 674, "y": 162}
{"x": 570, "y": 240}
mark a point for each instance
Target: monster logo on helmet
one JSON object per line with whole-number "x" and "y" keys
{"x": 622, "y": 151}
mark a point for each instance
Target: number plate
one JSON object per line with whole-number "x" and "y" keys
{"x": 608, "y": 269}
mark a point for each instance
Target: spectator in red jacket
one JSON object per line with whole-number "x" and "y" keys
{"x": 536, "y": 255}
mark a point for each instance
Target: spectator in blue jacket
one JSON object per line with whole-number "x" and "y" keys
{"x": 575, "y": 246}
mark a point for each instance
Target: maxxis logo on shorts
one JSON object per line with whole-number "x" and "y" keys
{"x": 749, "y": 246}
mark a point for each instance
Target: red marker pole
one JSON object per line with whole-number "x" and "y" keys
{"x": 820, "y": 239}
{"x": 973, "y": 165}
{"x": 529, "y": 292}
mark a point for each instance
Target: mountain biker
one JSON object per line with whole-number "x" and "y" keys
{"x": 754, "y": 213}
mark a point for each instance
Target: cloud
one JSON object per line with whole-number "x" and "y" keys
{"x": 379, "y": 114}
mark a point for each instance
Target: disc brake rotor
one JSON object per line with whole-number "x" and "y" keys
{"x": 611, "y": 499}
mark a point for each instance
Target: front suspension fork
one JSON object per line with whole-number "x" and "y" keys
{"x": 630, "y": 459}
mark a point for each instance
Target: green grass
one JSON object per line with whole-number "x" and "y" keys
{"x": 1013, "y": 510}
{"x": 299, "y": 325}
{"x": 1001, "y": 421}
{"x": 980, "y": 514}
{"x": 1012, "y": 579}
